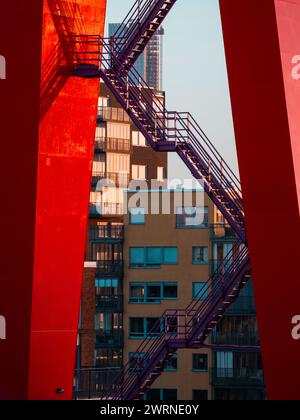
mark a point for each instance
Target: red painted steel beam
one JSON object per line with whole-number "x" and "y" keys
{"x": 47, "y": 135}
{"x": 262, "y": 41}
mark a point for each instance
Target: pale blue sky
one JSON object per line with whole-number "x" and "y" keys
{"x": 195, "y": 77}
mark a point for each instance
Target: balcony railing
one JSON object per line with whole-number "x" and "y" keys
{"x": 109, "y": 144}
{"x": 104, "y": 339}
{"x": 220, "y": 264}
{"x": 94, "y": 383}
{"x": 106, "y": 113}
{"x": 106, "y": 209}
{"x": 236, "y": 339}
{"x": 222, "y": 231}
{"x": 242, "y": 377}
{"x": 96, "y": 177}
{"x": 111, "y": 303}
{"x": 244, "y": 305}
{"x": 109, "y": 339}
{"x": 119, "y": 179}
{"x": 106, "y": 233}
{"x": 109, "y": 268}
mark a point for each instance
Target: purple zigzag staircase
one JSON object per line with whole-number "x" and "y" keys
{"x": 181, "y": 329}
{"x": 173, "y": 132}
{"x": 140, "y": 24}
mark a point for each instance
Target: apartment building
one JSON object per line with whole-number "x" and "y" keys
{"x": 166, "y": 263}
{"x": 121, "y": 154}
{"x": 140, "y": 264}
{"x": 237, "y": 371}
{"x": 168, "y": 259}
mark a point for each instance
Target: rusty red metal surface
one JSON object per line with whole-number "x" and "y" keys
{"x": 261, "y": 40}
{"x": 45, "y": 170}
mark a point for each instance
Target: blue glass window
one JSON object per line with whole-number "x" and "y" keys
{"x": 200, "y": 255}
{"x": 107, "y": 283}
{"x": 170, "y": 256}
{"x": 153, "y": 257}
{"x": 200, "y": 291}
{"x": 137, "y": 256}
{"x": 137, "y": 216}
{"x": 192, "y": 217}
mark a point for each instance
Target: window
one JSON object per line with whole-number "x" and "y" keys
{"x": 118, "y": 163}
{"x": 200, "y": 255}
{"x": 225, "y": 364}
{"x": 200, "y": 395}
{"x": 108, "y": 357}
{"x": 103, "y": 101}
{"x": 137, "y": 257}
{"x": 136, "y": 328}
{"x": 170, "y": 291}
{"x": 136, "y": 361}
{"x": 170, "y": 256}
{"x": 118, "y": 130}
{"x": 172, "y": 366}
{"x": 192, "y": 217}
{"x": 107, "y": 287}
{"x": 153, "y": 257}
{"x": 153, "y": 395}
{"x": 140, "y": 328}
{"x": 138, "y": 139}
{"x": 107, "y": 323}
{"x": 137, "y": 216}
{"x": 160, "y": 173}
{"x": 139, "y": 172}
{"x": 200, "y": 291}
{"x": 152, "y": 292}
{"x": 161, "y": 395}
{"x": 200, "y": 362}
{"x": 137, "y": 294}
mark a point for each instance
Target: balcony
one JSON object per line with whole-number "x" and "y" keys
{"x": 97, "y": 210}
{"x": 104, "y": 234}
{"x": 106, "y": 113}
{"x": 96, "y": 177}
{"x": 109, "y": 268}
{"x": 242, "y": 377}
{"x": 244, "y": 305}
{"x": 248, "y": 339}
{"x": 94, "y": 383}
{"x": 222, "y": 232}
{"x": 109, "y": 144}
{"x": 111, "y": 303}
{"x": 109, "y": 339}
{"x": 119, "y": 179}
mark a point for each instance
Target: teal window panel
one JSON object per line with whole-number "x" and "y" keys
{"x": 137, "y": 256}
{"x": 137, "y": 216}
{"x": 154, "y": 256}
{"x": 200, "y": 290}
{"x": 170, "y": 256}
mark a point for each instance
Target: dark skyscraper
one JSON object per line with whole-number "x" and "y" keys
{"x": 150, "y": 63}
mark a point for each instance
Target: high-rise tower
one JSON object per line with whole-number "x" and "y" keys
{"x": 150, "y": 63}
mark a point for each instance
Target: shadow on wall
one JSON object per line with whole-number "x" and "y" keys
{"x": 57, "y": 67}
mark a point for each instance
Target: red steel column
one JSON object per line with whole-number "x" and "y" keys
{"x": 47, "y": 131}
{"x": 262, "y": 42}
